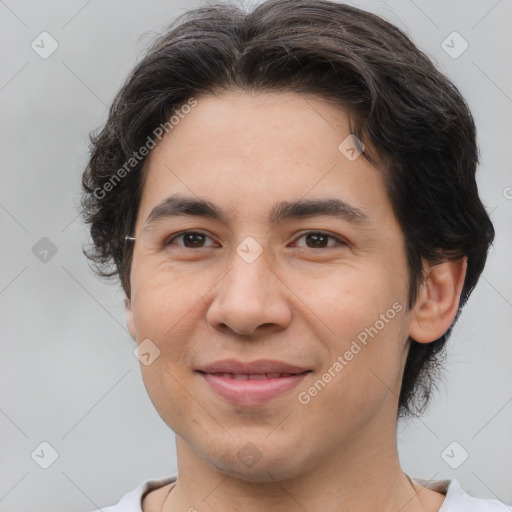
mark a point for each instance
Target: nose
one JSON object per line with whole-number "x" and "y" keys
{"x": 250, "y": 300}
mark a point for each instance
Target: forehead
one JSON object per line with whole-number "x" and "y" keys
{"x": 249, "y": 151}
{"x": 257, "y": 127}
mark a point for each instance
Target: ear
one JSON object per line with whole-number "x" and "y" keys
{"x": 129, "y": 317}
{"x": 438, "y": 300}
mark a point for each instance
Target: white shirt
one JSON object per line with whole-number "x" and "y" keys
{"x": 456, "y": 499}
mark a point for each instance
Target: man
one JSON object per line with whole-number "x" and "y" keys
{"x": 288, "y": 197}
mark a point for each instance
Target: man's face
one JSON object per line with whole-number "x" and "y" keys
{"x": 325, "y": 293}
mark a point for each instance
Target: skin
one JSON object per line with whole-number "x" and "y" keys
{"x": 295, "y": 303}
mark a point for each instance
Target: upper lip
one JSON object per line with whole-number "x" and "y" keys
{"x": 257, "y": 367}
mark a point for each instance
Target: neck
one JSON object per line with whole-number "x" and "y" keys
{"x": 362, "y": 474}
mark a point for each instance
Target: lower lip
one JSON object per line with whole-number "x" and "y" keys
{"x": 250, "y": 392}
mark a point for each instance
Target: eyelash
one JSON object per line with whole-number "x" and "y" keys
{"x": 340, "y": 242}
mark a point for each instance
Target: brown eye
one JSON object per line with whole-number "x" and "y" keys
{"x": 319, "y": 240}
{"x": 190, "y": 240}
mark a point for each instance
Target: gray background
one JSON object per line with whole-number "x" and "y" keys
{"x": 67, "y": 372}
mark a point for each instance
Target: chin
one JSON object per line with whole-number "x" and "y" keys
{"x": 271, "y": 462}
{"x": 261, "y": 473}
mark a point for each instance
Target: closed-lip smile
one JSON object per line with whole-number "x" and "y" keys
{"x": 253, "y": 382}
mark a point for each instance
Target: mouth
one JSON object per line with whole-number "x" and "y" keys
{"x": 253, "y": 376}
{"x": 251, "y": 383}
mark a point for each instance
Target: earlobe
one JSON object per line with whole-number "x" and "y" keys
{"x": 438, "y": 300}
{"x": 129, "y": 317}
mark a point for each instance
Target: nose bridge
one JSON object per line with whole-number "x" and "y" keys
{"x": 247, "y": 297}
{"x": 248, "y": 278}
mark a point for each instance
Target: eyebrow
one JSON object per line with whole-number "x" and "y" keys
{"x": 178, "y": 205}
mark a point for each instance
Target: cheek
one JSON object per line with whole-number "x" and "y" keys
{"x": 360, "y": 319}
{"x": 170, "y": 397}
{"x": 164, "y": 300}
{"x": 165, "y": 311}
{"x": 363, "y": 374}
{"x": 348, "y": 300}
